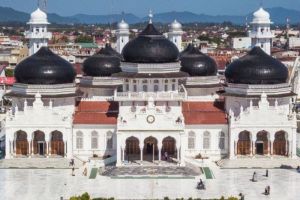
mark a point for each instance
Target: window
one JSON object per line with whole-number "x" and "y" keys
{"x": 173, "y": 87}
{"x": 79, "y": 140}
{"x": 206, "y": 140}
{"x": 166, "y": 88}
{"x": 156, "y": 81}
{"x": 191, "y": 140}
{"x": 221, "y": 140}
{"x": 109, "y": 140}
{"x": 134, "y": 88}
{"x": 126, "y": 87}
{"x": 94, "y": 140}
{"x": 155, "y": 88}
{"x": 145, "y": 88}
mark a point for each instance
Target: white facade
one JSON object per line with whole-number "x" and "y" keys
{"x": 175, "y": 34}
{"x": 38, "y": 34}
{"x": 261, "y": 33}
{"x": 122, "y": 35}
{"x": 242, "y": 43}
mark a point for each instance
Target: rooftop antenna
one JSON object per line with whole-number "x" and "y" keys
{"x": 246, "y": 28}
{"x": 287, "y": 31}
{"x": 150, "y": 16}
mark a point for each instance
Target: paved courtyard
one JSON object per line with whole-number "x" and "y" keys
{"x": 51, "y": 184}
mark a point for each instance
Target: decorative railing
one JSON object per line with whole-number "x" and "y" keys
{"x": 167, "y": 96}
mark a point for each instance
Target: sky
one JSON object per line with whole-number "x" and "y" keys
{"x": 141, "y": 7}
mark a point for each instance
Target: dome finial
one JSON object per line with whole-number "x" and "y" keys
{"x": 150, "y": 16}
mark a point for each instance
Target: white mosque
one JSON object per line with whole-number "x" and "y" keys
{"x": 151, "y": 99}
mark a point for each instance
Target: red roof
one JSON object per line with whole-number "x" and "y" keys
{"x": 7, "y": 80}
{"x": 95, "y": 112}
{"x": 204, "y": 113}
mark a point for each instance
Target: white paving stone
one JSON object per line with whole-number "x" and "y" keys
{"x": 51, "y": 184}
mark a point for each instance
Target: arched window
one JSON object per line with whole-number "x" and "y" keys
{"x": 109, "y": 140}
{"x": 191, "y": 140}
{"x": 79, "y": 140}
{"x": 221, "y": 140}
{"x": 94, "y": 140}
{"x": 206, "y": 140}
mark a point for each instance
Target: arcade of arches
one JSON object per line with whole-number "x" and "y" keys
{"x": 261, "y": 144}
{"x": 38, "y": 146}
{"x": 149, "y": 150}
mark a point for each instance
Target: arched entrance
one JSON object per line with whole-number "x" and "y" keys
{"x": 244, "y": 143}
{"x": 21, "y": 143}
{"x": 150, "y": 149}
{"x": 132, "y": 149}
{"x": 261, "y": 144}
{"x": 169, "y": 146}
{"x": 57, "y": 143}
{"x": 280, "y": 144}
{"x": 39, "y": 144}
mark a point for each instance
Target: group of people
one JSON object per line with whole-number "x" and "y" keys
{"x": 254, "y": 179}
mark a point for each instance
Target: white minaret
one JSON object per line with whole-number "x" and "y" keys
{"x": 261, "y": 32}
{"x": 38, "y": 34}
{"x": 122, "y": 35}
{"x": 175, "y": 34}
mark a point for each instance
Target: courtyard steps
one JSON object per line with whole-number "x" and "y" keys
{"x": 258, "y": 162}
{"x": 38, "y": 163}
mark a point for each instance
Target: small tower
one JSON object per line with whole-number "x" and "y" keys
{"x": 122, "y": 35}
{"x": 175, "y": 34}
{"x": 38, "y": 34}
{"x": 261, "y": 34}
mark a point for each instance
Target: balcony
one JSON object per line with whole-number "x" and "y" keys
{"x": 144, "y": 96}
{"x": 39, "y": 35}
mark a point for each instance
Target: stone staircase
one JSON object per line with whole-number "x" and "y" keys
{"x": 260, "y": 162}
{"x": 38, "y": 163}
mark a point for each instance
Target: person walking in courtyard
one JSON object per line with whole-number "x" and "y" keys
{"x": 73, "y": 170}
{"x": 267, "y": 173}
{"x": 254, "y": 177}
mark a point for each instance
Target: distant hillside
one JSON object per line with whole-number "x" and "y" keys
{"x": 278, "y": 15}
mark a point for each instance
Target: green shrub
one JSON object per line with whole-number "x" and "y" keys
{"x": 232, "y": 198}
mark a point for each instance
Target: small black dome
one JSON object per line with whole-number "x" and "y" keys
{"x": 187, "y": 49}
{"x": 256, "y": 67}
{"x": 196, "y": 63}
{"x": 150, "y": 47}
{"x": 45, "y": 68}
{"x": 104, "y": 63}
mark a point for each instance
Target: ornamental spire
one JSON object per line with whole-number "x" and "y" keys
{"x": 150, "y": 16}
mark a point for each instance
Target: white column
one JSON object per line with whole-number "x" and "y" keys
{"x": 231, "y": 145}
{"x": 7, "y": 147}
{"x": 159, "y": 147}
{"x": 182, "y": 149}
{"x": 15, "y": 147}
{"x": 47, "y": 138}
{"x": 123, "y": 154}
{"x": 65, "y": 148}
{"x": 178, "y": 158}
{"x": 119, "y": 161}
{"x": 29, "y": 148}
{"x": 69, "y": 136}
{"x": 141, "y": 153}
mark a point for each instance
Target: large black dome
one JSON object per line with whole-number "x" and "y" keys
{"x": 44, "y": 67}
{"x": 150, "y": 47}
{"x": 196, "y": 63}
{"x": 104, "y": 63}
{"x": 256, "y": 67}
